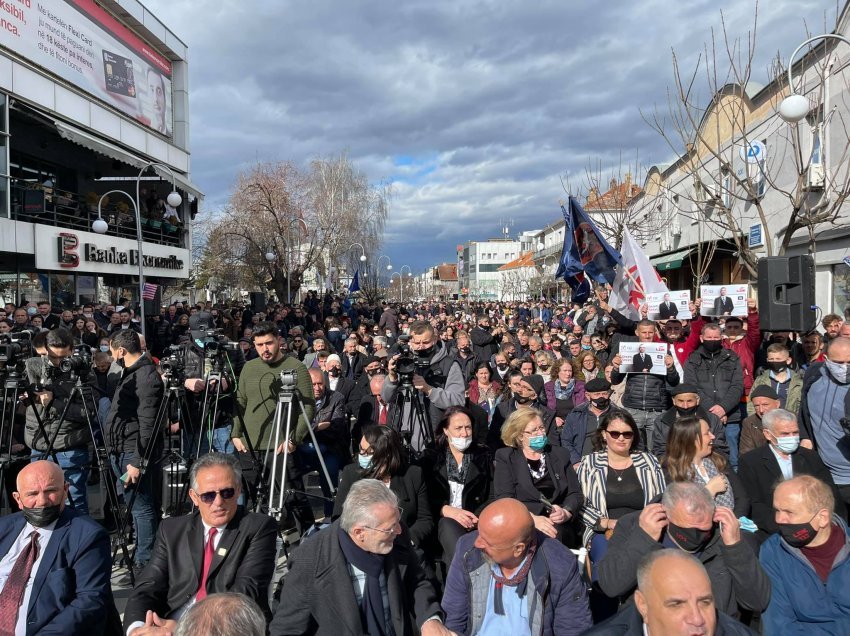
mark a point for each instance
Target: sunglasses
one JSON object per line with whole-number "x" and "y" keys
{"x": 209, "y": 497}
{"x": 619, "y": 434}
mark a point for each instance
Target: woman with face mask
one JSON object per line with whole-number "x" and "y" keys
{"x": 382, "y": 456}
{"x": 690, "y": 456}
{"x": 616, "y": 479}
{"x": 538, "y": 475}
{"x": 459, "y": 474}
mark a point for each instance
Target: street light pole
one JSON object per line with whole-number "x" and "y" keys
{"x": 400, "y": 290}
{"x": 174, "y": 200}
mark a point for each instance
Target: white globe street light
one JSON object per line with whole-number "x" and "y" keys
{"x": 794, "y": 108}
{"x": 99, "y": 226}
{"x": 174, "y": 200}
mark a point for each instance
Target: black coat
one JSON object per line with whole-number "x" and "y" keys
{"x": 244, "y": 562}
{"x": 129, "y": 426}
{"x": 512, "y": 479}
{"x": 356, "y": 366}
{"x": 760, "y": 473}
{"x": 318, "y": 595}
{"x": 478, "y": 488}
{"x": 719, "y": 379}
{"x": 336, "y": 437}
{"x": 484, "y": 344}
{"x": 412, "y": 494}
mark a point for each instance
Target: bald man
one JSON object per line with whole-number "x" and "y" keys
{"x": 808, "y": 561}
{"x": 825, "y": 412}
{"x": 514, "y": 579}
{"x": 55, "y": 564}
{"x": 674, "y": 598}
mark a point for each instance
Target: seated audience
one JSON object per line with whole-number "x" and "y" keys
{"x": 522, "y": 392}
{"x": 579, "y": 431}
{"x": 686, "y": 402}
{"x": 763, "y": 399}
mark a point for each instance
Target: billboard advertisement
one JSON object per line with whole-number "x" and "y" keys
{"x": 85, "y": 45}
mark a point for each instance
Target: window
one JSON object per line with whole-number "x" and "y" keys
{"x": 841, "y": 291}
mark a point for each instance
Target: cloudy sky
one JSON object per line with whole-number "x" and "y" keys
{"x": 474, "y": 109}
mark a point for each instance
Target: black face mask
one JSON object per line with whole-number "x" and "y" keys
{"x": 466, "y": 349}
{"x": 425, "y": 353}
{"x": 522, "y": 399}
{"x": 712, "y": 346}
{"x": 777, "y": 367}
{"x": 501, "y": 367}
{"x": 371, "y": 373}
{"x": 41, "y": 517}
{"x": 689, "y": 539}
{"x": 601, "y": 403}
{"x": 798, "y": 535}
{"x": 685, "y": 412}
{"x": 334, "y": 372}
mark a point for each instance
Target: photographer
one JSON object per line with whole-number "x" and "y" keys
{"x": 70, "y": 437}
{"x": 132, "y": 439}
{"x": 208, "y": 354}
{"x": 257, "y": 400}
{"x": 437, "y": 378}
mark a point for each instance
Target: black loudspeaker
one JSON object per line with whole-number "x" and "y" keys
{"x": 787, "y": 293}
{"x": 258, "y": 301}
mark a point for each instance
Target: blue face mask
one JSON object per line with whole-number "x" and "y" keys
{"x": 104, "y": 348}
{"x": 537, "y": 443}
{"x": 365, "y": 461}
{"x": 585, "y": 347}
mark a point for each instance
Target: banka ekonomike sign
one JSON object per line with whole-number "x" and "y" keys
{"x": 89, "y": 252}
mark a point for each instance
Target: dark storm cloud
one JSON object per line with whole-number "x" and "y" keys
{"x": 490, "y": 102}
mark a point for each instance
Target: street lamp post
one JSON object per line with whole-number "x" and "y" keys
{"x": 795, "y": 107}
{"x": 400, "y": 291}
{"x": 174, "y": 200}
{"x": 363, "y": 249}
{"x": 378, "y": 266}
{"x": 401, "y": 278}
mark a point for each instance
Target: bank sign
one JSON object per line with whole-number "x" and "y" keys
{"x": 87, "y": 252}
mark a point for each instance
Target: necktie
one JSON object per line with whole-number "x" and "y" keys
{"x": 382, "y": 417}
{"x": 209, "y": 551}
{"x": 16, "y": 584}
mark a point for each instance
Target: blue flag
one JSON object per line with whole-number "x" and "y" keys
{"x": 586, "y": 254}
{"x": 355, "y": 283}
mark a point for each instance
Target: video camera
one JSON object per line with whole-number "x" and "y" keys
{"x": 288, "y": 380}
{"x": 212, "y": 341}
{"x": 15, "y": 347}
{"x": 409, "y": 363}
{"x": 173, "y": 361}
{"x": 79, "y": 363}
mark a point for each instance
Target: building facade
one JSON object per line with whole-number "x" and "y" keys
{"x": 479, "y": 263}
{"x": 93, "y": 102}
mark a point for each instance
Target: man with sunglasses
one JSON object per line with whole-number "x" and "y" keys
{"x": 359, "y": 576}
{"x": 217, "y": 548}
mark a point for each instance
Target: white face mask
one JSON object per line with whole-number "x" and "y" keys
{"x": 460, "y": 443}
{"x": 838, "y": 370}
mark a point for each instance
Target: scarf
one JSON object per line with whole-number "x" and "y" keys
{"x": 454, "y": 472}
{"x": 519, "y": 580}
{"x": 372, "y": 613}
{"x": 726, "y": 499}
{"x": 564, "y": 392}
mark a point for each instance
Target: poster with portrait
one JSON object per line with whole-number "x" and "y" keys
{"x": 724, "y": 300}
{"x": 668, "y": 305}
{"x": 643, "y": 357}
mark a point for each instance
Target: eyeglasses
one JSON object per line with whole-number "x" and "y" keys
{"x": 391, "y": 530}
{"x": 536, "y": 431}
{"x": 209, "y": 497}
{"x": 619, "y": 434}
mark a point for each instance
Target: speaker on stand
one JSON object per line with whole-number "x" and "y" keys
{"x": 786, "y": 293}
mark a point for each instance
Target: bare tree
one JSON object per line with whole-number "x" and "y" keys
{"x": 728, "y": 185}
{"x": 282, "y": 221}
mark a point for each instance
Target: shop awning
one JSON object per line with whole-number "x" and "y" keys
{"x": 672, "y": 260}
{"x": 103, "y": 147}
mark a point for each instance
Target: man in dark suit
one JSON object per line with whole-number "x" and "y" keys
{"x": 723, "y": 305}
{"x": 352, "y": 360}
{"x": 641, "y": 362}
{"x": 351, "y": 564}
{"x": 336, "y": 378}
{"x": 215, "y": 549}
{"x": 54, "y": 563}
{"x": 780, "y": 459}
{"x": 667, "y": 309}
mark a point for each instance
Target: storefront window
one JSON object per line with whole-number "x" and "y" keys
{"x": 33, "y": 287}
{"x": 63, "y": 293}
{"x": 841, "y": 291}
{"x": 86, "y": 290}
{"x": 9, "y": 287}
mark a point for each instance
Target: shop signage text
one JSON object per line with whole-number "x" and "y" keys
{"x": 67, "y": 245}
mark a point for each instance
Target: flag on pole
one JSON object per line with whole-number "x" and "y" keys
{"x": 636, "y": 277}
{"x": 355, "y": 283}
{"x": 586, "y": 254}
{"x": 149, "y": 292}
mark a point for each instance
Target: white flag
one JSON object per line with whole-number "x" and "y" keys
{"x": 627, "y": 297}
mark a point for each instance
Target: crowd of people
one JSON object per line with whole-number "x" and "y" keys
{"x": 485, "y": 468}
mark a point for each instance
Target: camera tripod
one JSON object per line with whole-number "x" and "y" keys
{"x": 277, "y": 496}
{"x": 412, "y": 423}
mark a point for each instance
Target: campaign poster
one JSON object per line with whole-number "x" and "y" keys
{"x": 643, "y": 357}
{"x": 724, "y": 300}
{"x": 84, "y": 44}
{"x": 668, "y": 305}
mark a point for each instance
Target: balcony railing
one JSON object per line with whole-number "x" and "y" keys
{"x": 61, "y": 208}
